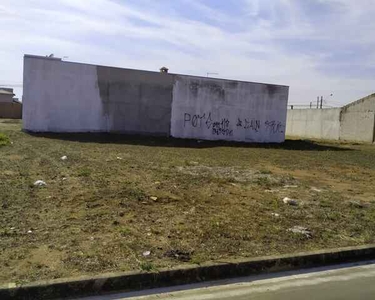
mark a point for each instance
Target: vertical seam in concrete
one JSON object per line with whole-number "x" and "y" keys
{"x": 340, "y": 122}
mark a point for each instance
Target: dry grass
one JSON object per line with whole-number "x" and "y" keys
{"x": 214, "y": 201}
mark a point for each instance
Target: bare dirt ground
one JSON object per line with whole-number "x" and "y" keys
{"x": 120, "y": 203}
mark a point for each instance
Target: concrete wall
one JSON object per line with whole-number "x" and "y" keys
{"x": 353, "y": 122}
{"x": 214, "y": 109}
{"x": 366, "y": 104}
{"x": 135, "y": 101}
{"x": 357, "y": 126}
{"x": 314, "y": 123}
{"x": 71, "y": 97}
{"x": 358, "y": 120}
{"x": 10, "y": 111}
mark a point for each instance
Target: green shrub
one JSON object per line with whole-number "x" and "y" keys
{"x": 4, "y": 139}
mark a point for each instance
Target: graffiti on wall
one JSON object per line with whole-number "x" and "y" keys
{"x": 225, "y": 127}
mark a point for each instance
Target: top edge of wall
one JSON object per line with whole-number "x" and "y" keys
{"x": 156, "y": 72}
{"x": 359, "y": 101}
{"x": 319, "y": 109}
{"x": 42, "y": 57}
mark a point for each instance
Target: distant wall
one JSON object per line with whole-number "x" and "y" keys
{"x": 353, "y": 122}
{"x": 6, "y": 98}
{"x": 314, "y": 123}
{"x": 62, "y": 96}
{"x": 10, "y": 110}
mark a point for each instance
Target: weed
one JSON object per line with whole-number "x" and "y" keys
{"x": 84, "y": 172}
{"x": 136, "y": 193}
{"x": 125, "y": 231}
{"x": 4, "y": 139}
{"x": 264, "y": 182}
{"x": 146, "y": 266}
{"x": 198, "y": 259}
{"x": 325, "y": 203}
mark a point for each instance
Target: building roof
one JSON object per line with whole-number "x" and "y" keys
{"x": 5, "y": 92}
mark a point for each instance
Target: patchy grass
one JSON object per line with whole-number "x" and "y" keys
{"x": 116, "y": 197}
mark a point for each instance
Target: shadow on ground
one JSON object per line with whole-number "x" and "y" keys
{"x": 112, "y": 138}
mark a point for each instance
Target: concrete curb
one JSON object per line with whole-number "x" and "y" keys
{"x": 122, "y": 282}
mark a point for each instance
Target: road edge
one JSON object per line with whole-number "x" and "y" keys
{"x": 133, "y": 281}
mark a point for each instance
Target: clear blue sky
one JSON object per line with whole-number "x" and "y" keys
{"x": 318, "y": 47}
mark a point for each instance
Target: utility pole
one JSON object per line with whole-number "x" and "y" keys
{"x": 321, "y": 102}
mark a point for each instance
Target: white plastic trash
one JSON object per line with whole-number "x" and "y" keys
{"x": 40, "y": 183}
{"x": 289, "y": 201}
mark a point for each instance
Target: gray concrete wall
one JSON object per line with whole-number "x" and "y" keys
{"x": 314, "y": 123}
{"x": 213, "y": 109}
{"x": 61, "y": 96}
{"x": 357, "y": 126}
{"x": 366, "y": 104}
{"x": 135, "y": 101}
{"x": 353, "y": 122}
{"x": 358, "y": 120}
{"x": 71, "y": 97}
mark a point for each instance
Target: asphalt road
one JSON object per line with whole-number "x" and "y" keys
{"x": 339, "y": 282}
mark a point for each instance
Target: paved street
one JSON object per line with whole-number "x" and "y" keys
{"x": 340, "y": 282}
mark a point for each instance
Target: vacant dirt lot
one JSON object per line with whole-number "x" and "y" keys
{"x": 122, "y": 203}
